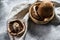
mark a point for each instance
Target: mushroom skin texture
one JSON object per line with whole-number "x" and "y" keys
{"x": 43, "y": 10}
{"x": 16, "y": 28}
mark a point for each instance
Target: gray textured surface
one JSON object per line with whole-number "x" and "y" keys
{"x": 50, "y": 31}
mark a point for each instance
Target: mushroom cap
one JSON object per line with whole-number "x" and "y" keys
{"x": 16, "y": 28}
{"x": 37, "y": 14}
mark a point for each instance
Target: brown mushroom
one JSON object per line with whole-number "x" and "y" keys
{"x": 42, "y": 12}
{"x": 16, "y": 28}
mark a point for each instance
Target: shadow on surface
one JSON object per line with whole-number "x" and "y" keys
{"x": 4, "y": 36}
{"x": 41, "y": 30}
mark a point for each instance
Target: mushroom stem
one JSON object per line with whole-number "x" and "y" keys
{"x": 15, "y": 25}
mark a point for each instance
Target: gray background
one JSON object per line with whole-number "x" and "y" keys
{"x": 50, "y": 31}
